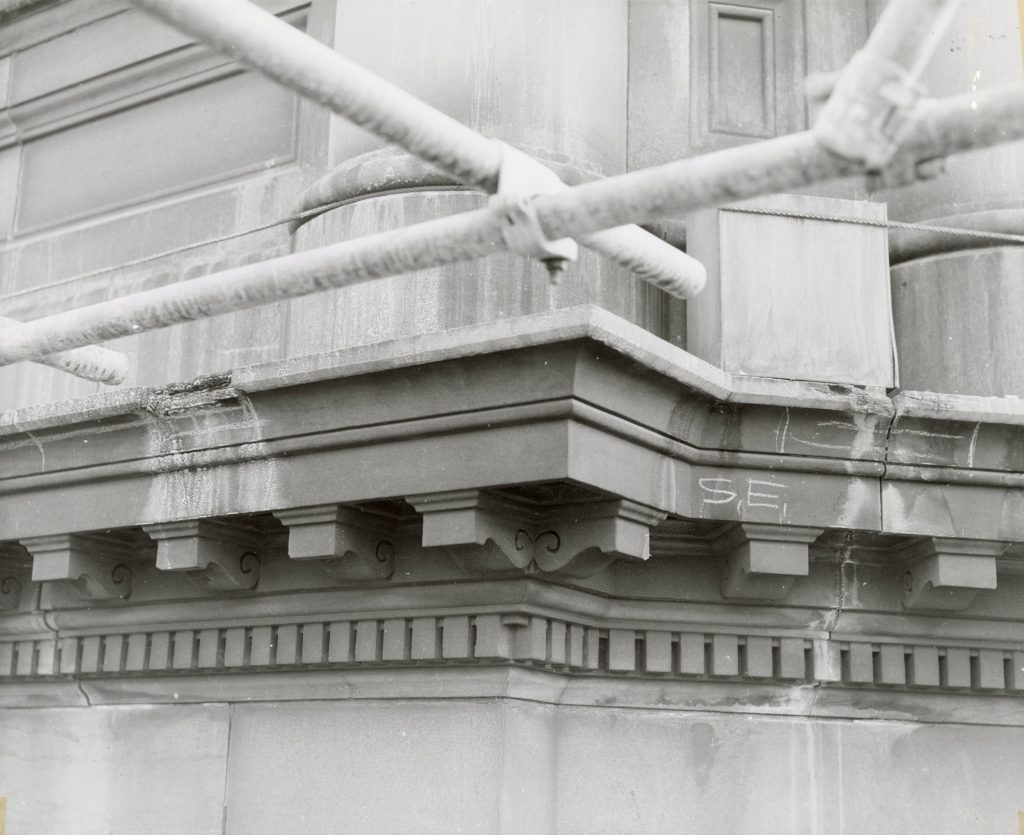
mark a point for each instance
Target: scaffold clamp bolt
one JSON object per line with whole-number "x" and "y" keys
{"x": 520, "y": 179}
{"x": 865, "y": 117}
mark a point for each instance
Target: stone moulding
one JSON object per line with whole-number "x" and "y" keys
{"x": 660, "y": 655}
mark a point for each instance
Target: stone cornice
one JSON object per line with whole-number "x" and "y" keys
{"x": 927, "y": 431}
{"x": 686, "y": 651}
{"x": 568, "y": 475}
{"x": 563, "y": 395}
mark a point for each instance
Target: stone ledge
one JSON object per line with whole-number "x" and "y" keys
{"x": 525, "y": 684}
{"x": 583, "y": 322}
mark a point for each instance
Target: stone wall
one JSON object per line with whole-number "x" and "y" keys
{"x": 498, "y": 766}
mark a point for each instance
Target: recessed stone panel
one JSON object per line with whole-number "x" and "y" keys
{"x": 205, "y": 134}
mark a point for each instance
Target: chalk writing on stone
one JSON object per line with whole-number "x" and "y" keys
{"x": 744, "y": 492}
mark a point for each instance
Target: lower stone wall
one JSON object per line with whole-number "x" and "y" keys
{"x": 496, "y": 765}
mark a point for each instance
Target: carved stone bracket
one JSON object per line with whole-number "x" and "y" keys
{"x": 486, "y": 534}
{"x": 947, "y": 574}
{"x": 10, "y": 592}
{"x": 216, "y": 555}
{"x": 95, "y": 567}
{"x": 15, "y": 566}
{"x": 762, "y": 561}
{"x": 351, "y": 545}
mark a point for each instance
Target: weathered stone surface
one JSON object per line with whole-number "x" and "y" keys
{"x": 615, "y": 687}
{"x": 307, "y": 766}
{"x": 948, "y": 574}
{"x": 781, "y": 777}
{"x": 95, "y": 567}
{"x": 484, "y": 533}
{"x": 218, "y": 556}
{"x": 758, "y": 316}
{"x": 84, "y": 771}
{"x": 963, "y": 339}
{"x": 72, "y": 174}
{"x": 615, "y": 770}
{"x": 762, "y": 561}
{"x": 349, "y": 545}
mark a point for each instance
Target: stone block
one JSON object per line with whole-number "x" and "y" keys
{"x": 947, "y": 574}
{"x": 825, "y": 283}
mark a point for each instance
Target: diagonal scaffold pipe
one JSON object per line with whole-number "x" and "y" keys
{"x": 262, "y": 41}
{"x": 100, "y": 365}
{"x": 790, "y": 162}
{"x": 878, "y": 91}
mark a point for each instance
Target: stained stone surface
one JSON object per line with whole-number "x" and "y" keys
{"x": 505, "y": 766}
{"x": 114, "y": 770}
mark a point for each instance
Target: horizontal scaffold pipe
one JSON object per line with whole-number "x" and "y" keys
{"x": 941, "y": 128}
{"x": 101, "y": 365}
{"x": 259, "y": 40}
{"x": 726, "y": 176}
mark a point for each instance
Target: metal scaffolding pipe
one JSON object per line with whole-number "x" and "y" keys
{"x": 101, "y": 365}
{"x": 877, "y": 92}
{"x": 944, "y": 127}
{"x": 909, "y": 31}
{"x": 434, "y": 243}
{"x": 776, "y": 165}
{"x": 259, "y": 40}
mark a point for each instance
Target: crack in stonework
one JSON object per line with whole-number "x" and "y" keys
{"x": 57, "y": 647}
{"x": 832, "y": 619}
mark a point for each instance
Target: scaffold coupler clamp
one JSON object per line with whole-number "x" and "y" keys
{"x": 520, "y": 179}
{"x": 869, "y": 110}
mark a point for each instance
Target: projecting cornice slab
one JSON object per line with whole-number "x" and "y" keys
{"x": 578, "y": 395}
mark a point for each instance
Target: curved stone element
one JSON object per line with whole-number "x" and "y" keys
{"x": 762, "y": 561}
{"x": 519, "y": 81}
{"x": 388, "y": 170}
{"x": 946, "y": 574}
{"x": 658, "y": 257}
{"x": 351, "y": 546}
{"x": 486, "y": 535}
{"x": 10, "y": 593}
{"x": 91, "y": 565}
{"x": 216, "y": 556}
{"x": 957, "y": 325}
{"x": 492, "y": 289}
{"x": 949, "y": 292}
